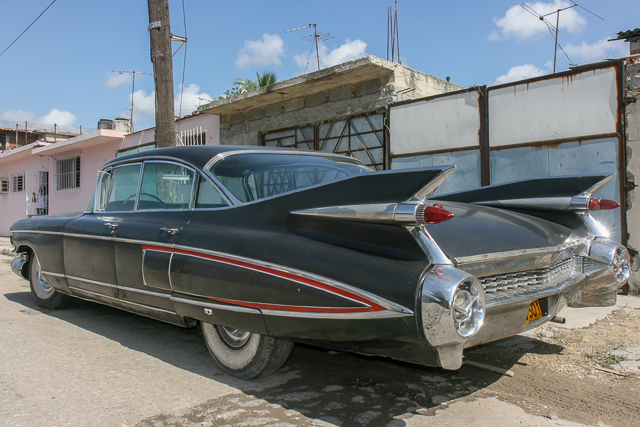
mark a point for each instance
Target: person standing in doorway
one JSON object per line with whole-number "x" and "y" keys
{"x": 41, "y": 199}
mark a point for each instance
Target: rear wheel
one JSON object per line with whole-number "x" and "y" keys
{"x": 243, "y": 354}
{"x": 42, "y": 292}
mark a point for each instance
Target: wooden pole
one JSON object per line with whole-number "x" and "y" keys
{"x": 160, "y": 41}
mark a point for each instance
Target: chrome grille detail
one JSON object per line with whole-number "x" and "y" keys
{"x": 509, "y": 285}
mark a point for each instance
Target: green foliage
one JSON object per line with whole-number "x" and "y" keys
{"x": 244, "y": 84}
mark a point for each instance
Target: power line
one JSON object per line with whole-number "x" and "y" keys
{"x": 34, "y": 21}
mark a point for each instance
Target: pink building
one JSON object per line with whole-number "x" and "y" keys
{"x": 43, "y": 177}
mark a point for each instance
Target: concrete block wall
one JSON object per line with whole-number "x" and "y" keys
{"x": 246, "y": 128}
{"x": 632, "y": 125}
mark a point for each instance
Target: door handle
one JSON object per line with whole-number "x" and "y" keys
{"x": 172, "y": 231}
{"x": 112, "y": 226}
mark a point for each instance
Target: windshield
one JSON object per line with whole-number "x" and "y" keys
{"x": 256, "y": 176}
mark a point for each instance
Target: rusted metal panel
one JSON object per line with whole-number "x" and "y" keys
{"x": 440, "y": 123}
{"x": 580, "y": 104}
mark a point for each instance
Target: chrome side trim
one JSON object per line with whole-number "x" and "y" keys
{"x": 37, "y": 232}
{"x": 337, "y": 316}
{"x": 144, "y": 255}
{"x": 125, "y": 302}
{"x": 144, "y": 291}
{"x": 94, "y": 282}
{"x": 356, "y": 291}
{"x": 49, "y": 273}
{"x": 169, "y": 270}
{"x": 88, "y": 236}
{"x": 233, "y": 308}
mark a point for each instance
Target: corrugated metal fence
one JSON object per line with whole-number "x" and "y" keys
{"x": 564, "y": 124}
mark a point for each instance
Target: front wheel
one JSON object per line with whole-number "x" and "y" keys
{"x": 42, "y": 292}
{"x": 243, "y": 354}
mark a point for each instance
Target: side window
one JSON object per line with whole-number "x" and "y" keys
{"x": 123, "y": 188}
{"x": 165, "y": 186}
{"x": 208, "y": 196}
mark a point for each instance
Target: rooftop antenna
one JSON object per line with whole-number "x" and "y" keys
{"x": 133, "y": 87}
{"x": 556, "y": 28}
{"x": 315, "y": 35}
{"x": 393, "y": 35}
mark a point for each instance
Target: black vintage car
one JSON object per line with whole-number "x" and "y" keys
{"x": 265, "y": 247}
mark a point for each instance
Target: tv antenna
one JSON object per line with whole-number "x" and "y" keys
{"x": 555, "y": 29}
{"x": 133, "y": 87}
{"x": 393, "y": 36}
{"x": 315, "y": 35}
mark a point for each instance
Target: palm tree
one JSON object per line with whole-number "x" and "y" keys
{"x": 267, "y": 78}
{"x": 244, "y": 84}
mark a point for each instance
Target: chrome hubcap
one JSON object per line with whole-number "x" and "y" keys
{"x": 41, "y": 283}
{"x": 234, "y": 338}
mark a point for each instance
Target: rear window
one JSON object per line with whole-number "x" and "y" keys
{"x": 256, "y": 176}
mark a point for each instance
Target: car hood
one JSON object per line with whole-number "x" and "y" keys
{"x": 476, "y": 230}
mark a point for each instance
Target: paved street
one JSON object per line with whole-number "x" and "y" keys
{"x": 91, "y": 365}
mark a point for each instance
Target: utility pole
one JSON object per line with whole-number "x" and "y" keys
{"x": 161, "y": 57}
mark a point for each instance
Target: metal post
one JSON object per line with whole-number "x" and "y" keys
{"x": 26, "y": 132}
{"x": 555, "y": 48}
{"x": 55, "y": 132}
{"x": 315, "y": 35}
{"x": 133, "y": 90}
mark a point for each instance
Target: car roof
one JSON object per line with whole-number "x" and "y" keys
{"x": 197, "y": 155}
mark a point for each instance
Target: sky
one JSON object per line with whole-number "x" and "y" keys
{"x": 61, "y": 70}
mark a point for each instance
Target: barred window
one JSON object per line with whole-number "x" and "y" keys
{"x": 17, "y": 183}
{"x": 68, "y": 172}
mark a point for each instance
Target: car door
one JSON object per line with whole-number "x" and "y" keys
{"x": 145, "y": 236}
{"x": 89, "y": 245}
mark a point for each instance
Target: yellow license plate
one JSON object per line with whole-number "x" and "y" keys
{"x": 535, "y": 312}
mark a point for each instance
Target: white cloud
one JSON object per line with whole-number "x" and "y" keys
{"x": 521, "y": 24}
{"x": 17, "y": 116}
{"x": 520, "y": 72}
{"x": 55, "y": 116}
{"x": 328, "y": 58}
{"x": 118, "y": 79}
{"x": 191, "y": 99}
{"x": 144, "y": 104}
{"x": 61, "y": 118}
{"x": 257, "y": 53}
{"x": 597, "y": 51}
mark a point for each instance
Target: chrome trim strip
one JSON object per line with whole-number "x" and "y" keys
{"x": 144, "y": 254}
{"x": 495, "y": 256}
{"x": 161, "y": 310}
{"x": 427, "y": 191}
{"x": 88, "y": 236}
{"x": 37, "y": 232}
{"x": 169, "y": 270}
{"x": 94, "y": 282}
{"x": 335, "y": 316}
{"x": 233, "y": 308}
{"x": 221, "y": 156}
{"x": 49, "y": 273}
{"x": 143, "y": 291}
{"x": 342, "y": 286}
{"x": 598, "y": 186}
{"x": 547, "y": 203}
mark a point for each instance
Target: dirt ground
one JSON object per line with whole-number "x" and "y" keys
{"x": 587, "y": 375}
{"x": 559, "y": 374}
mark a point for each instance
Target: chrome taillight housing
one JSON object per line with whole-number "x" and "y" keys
{"x": 453, "y": 309}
